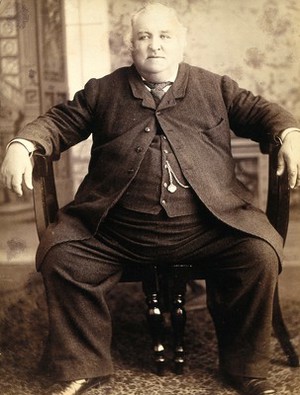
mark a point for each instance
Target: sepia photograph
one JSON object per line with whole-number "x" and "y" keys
{"x": 149, "y": 197}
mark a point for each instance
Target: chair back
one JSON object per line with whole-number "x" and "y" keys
{"x": 44, "y": 193}
{"x": 278, "y": 199}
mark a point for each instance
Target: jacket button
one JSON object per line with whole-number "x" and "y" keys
{"x": 139, "y": 149}
{"x": 147, "y": 129}
{"x": 130, "y": 171}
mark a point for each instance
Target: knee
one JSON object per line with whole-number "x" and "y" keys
{"x": 264, "y": 258}
{"x": 78, "y": 262}
{"x": 54, "y": 261}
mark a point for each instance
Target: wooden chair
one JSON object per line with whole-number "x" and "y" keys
{"x": 165, "y": 285}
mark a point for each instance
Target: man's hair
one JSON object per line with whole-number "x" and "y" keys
{"x": 154, "y": 6}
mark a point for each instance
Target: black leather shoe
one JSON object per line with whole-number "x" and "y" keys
{"x": 251, "y": 386}
{"x": 78, "y": 387}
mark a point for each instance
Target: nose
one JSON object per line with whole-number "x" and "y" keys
{"x": 155, "y": 44}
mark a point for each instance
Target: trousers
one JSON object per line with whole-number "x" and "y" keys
{"x": 240, "y": 270}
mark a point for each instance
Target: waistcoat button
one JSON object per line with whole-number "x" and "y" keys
{"x": 147, "y": 129}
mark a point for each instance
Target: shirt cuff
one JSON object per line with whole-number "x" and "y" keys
{"x": 283, "y": 134}
{"x": 29, "y": 145}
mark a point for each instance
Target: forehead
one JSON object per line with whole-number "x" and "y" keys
{"x": 152, "y": 20}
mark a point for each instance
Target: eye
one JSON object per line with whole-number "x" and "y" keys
{"x": 143, "y": 37}
{"x": 165, "y": 36}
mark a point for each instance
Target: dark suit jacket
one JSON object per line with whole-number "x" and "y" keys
{"x": 196, "y": 115}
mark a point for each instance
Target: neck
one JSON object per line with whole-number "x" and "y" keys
{"x": 160, "y": 77}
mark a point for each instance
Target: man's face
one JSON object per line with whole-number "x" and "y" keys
{"x": 157, "y": 45}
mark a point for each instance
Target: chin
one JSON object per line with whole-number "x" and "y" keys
{"x": 153, "y": 68}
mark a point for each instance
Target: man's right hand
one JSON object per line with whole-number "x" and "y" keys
{"x": 16, "y": 165}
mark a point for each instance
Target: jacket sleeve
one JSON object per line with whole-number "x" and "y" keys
{"x": 253, "y": 116}
{"x": 64, "y": 125}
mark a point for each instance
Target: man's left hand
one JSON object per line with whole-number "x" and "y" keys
{"x": 289, "y": 157}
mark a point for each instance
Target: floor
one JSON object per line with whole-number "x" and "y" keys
{"x": 18, "y": 241}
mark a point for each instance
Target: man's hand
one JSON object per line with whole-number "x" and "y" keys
{"x": 16, "y": 164}
{"x": 289, "y": 156}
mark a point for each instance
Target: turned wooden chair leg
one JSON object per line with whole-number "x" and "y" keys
{"x": 155, "y": 317}
{"x": 178, "y": 317}
{"x": 282, "y": 333}
{"x": 178, "y": 314}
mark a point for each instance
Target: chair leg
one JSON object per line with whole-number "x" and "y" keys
{"x": 178, "y": 317}
{"x": 155, "y": 317}
{"x": 178, "y": 314}
{"x": 282, "y": 333}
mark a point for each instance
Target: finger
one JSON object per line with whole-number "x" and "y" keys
{"x": 298, "y": 179}
{"x": 16, "y": 185}
{"x": 2, "y": 177}
{"x": 7, "y": 181}
{"x": 28, "y": 177}
{"x": 292, "y": 175}
{"x": 280, "y": 165}
{"x": 3, "y": 180}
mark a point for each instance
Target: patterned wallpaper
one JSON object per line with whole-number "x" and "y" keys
{"x": 255, "y": 42}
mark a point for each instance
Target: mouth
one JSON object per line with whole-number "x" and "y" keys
{"x": 155, "y": 57}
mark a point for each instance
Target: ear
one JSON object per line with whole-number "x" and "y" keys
{"x": 128, "y": 40}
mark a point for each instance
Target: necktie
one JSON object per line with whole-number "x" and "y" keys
{"x": 157, "y": 89}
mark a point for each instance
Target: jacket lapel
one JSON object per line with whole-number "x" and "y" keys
{"x": 177, "y": 90}
{"x": 138, "y": 88}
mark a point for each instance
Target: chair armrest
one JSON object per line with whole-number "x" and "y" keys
{"x": 46, "y": 203}
{"x": 278, "y": 199}
{"x": 44, "y": 193}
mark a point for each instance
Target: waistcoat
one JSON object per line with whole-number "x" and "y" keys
{"x": 154, "y": 189}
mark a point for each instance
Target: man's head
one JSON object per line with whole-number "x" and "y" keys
{"x": 157, "y": 42}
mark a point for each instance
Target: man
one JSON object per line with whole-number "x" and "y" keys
{"x": 160, "y": 185}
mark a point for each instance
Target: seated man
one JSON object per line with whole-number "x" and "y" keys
{"x": 160, "y": 186}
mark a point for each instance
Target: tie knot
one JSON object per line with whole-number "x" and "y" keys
{"x": 157, "y": 85}
{"x": 157, "y": 89}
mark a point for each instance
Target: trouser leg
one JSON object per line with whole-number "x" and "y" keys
{"x": 241, "y": 273}
{"x": 240, "y": 291}
{"x": 77, "y": 275}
